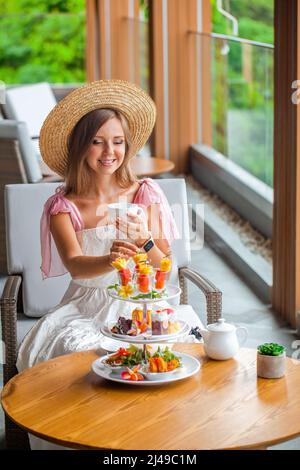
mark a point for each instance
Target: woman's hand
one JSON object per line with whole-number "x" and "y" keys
{"x": 135, "y": 228}
{"x": 122, "y": 249}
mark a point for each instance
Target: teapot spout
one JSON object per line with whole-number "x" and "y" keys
{"x": 205, "y": 334}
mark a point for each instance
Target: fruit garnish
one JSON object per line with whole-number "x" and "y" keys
{"x": 140, "y": 257}
{"x": 173, "y": 364}
{"x": 125, "y": 375}
{"x": 123, "y": 352}
{"x": 169, "y": 310}
{"x": 165, "y": 265}
{"x": 125, "y": 291}
{"x": 145, "y": 269}
{"x": 132, "y": 374}
{"x": 119, "y": 263}
{"x": 143, "y": 326}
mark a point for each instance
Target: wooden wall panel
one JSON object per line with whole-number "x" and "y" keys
{"x": 157, "y": 75}
{"x": 286, "y": 220}
{"x": 182, "y": 18}
{"x": 111, "y": 57}
{"x": 181, "y": 68}
{"x": 103, "y": 49}
{"x": 136, "y": 45}
{"x": 119, "y": 39}
{"x": 91, "y": 40}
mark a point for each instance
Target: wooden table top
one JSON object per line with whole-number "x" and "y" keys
{"x": 224, "y": 406}
{"x": 141, "y": 167}
{"x": 150, "y": 166}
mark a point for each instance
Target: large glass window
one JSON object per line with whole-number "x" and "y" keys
{"x": 139, "y": 55}
{"x": 42, "y": 41}
{"x": 242, "y": 85}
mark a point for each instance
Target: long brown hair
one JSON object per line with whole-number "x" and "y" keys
{"x": 79, "y": 175}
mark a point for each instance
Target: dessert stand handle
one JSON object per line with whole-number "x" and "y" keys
{"x": 145, "y": 353}
{"x": 145, "y": 311}
{"x": 147, "y": 332}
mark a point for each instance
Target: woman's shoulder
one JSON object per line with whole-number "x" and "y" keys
{"x": 57, "y": 200}
{"x": 59, "y": 203}
{"x": 149, "y": 192}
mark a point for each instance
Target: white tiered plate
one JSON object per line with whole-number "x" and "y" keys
{"x": 171, "y": 293}
{"x": 112, "y": 345}
{"x": 190, "y": 367}
{"x": 145, "y": 338}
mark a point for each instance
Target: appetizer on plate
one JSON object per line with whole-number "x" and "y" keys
{"x": 161, "y": 365}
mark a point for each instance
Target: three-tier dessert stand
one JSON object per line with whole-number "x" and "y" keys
{"x": 191, "y": 364}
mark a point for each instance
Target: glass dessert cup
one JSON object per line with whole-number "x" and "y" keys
{"x": 125, "y": 276}
{"x": 143, "y": 283}
{"x": 138, "y": 315}
{"x": 160, "y": 279}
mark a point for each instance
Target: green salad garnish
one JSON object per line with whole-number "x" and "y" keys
{"x": 151, "y": 295}
{"x": 166, "y": 354}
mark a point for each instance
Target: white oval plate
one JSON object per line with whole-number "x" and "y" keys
{"x": 143, "y": 338}
{"x": 190, "y": 367}
{"x": 171, "y": 293}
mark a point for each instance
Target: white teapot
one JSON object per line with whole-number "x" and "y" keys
{"x": 221, "y": 339}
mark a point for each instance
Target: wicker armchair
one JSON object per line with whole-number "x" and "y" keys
{"x": 25, "y": 292}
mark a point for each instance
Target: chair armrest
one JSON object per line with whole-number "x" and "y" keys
{"x": 212, "y": 293}
{"x": 8, "y": 304}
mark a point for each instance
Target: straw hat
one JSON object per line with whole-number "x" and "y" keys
{"x": 134, "y": 103}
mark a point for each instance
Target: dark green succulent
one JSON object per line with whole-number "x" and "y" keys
{"x": 271, "y": 349}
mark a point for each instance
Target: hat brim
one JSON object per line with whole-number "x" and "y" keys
{"x": 133, "y": 102}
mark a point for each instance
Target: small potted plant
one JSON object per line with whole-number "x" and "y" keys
{"x": 270, "y": 360}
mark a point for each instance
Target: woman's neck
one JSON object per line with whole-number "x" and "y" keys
{"x": 104, "y": 187}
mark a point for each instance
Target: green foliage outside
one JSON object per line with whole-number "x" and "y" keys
{"x": 242, "y": 87}
{"x": 42, "y": 41}
{"x": 144, "y": 10}
{"x": 45, "y": 40}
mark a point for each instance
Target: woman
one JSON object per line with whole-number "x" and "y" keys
{"x": 89, "y": 138}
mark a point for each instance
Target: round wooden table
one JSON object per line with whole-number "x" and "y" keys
{"x": 224, "y": 406}
{"x": 141, "y": 167}
{"x": 150, "y": 166}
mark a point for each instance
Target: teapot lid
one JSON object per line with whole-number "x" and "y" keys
{"x": 221, "y": 326}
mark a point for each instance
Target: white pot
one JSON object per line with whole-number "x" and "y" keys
{"x": 270, "y": 367}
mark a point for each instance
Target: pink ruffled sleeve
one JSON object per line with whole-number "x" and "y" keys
{"x": 151, "y": 193}
{"x": 52, "y": 264}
